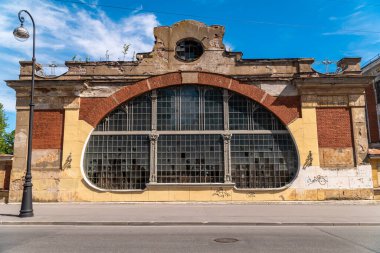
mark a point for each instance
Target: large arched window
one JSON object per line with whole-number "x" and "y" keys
{"x": 190, "y": 135}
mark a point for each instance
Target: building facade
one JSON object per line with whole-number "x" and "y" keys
{"x": 190, "y": 121}
{"x": 372, "y": 68}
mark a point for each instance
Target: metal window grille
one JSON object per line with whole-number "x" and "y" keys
{"x": 134, "y": 115}
{"x": 118, "y": 161}
{"x": 189, "y": 50}
{"x": 166, "y": 109}
{"x": 186, "y": 138}
{"x": 249, "y": 115}
{"x": 190, "y": 159}
{"x": 213, "y": 109}
{"x": 190, "y": 108}
{"x": 262, "y": 161}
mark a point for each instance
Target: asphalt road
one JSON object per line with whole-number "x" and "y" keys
{"x": 189, "y": 239}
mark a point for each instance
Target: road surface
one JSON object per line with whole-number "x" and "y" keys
{"x": 167, "y": 239}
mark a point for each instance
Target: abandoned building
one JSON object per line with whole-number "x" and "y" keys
{"x": 372, "y": 68}
{"x": 190, "y": 121}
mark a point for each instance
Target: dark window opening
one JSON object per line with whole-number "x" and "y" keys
{"x": 189, "y": 50}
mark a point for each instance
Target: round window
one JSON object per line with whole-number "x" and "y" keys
{"x": 188, "y": 50}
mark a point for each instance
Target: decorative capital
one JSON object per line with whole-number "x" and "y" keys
{"x": 227, "y": 138}
{"x": 153, "y": 137}
{"x": 153, "y": 96}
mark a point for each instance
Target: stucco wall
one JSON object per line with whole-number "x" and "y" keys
{"x": 312, "y": 182}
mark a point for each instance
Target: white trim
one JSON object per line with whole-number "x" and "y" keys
{"x": 206, "y": 132}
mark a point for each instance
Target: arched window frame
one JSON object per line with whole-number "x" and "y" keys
{"x": 226, "y": 133}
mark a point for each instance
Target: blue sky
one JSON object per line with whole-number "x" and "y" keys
{"x": 321, "y": 29}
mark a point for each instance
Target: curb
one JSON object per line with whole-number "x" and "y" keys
{"x": 170, "y": 224}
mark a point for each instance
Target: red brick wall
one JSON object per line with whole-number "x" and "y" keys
{"x": 48, "y": 129}
{"x": 334, "y": 128}
{"x": 372, "y": 114}
{"x": 92, "y": 110}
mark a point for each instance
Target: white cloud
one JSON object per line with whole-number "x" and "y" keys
{"x": 364, "y": 25}
{"x": 63, "y": 31}
{"x": 88, "y": 32}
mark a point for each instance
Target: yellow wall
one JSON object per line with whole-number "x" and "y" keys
{"x": 73, "y": 187}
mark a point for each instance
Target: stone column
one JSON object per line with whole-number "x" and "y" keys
{"x": 225, "y": 110}
{"x": 154, "y": 110}
{"x": 227, "y": 157}
{"x": 153, "y": 157}
{"x": 359, "y": 127}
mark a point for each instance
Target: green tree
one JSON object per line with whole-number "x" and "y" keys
{"x": 6, "y": 139}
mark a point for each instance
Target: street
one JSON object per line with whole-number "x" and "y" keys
{"x": 168, "y": 239}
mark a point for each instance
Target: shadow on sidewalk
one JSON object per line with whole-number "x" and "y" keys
{"x": 7, "y": 214}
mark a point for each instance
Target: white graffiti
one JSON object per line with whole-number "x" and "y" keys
{"x": 322, "y": 180}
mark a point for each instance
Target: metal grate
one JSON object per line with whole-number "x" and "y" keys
{"x": 134, "y": 115}
{"x": 245, "y": 114}
{"x": 262, "y": 161}
{"x": 118, "y": 161}
{"x": 190, "y": 159}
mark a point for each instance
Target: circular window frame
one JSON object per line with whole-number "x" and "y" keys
{"x": 189, "y": 39}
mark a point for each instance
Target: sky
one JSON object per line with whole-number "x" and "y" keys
{"x": 92, "y": 29}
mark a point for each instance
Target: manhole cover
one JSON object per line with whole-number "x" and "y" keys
{"x": 226, "y": 240}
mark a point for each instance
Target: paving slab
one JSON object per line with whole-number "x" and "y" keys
{"x": 169, "y": 214}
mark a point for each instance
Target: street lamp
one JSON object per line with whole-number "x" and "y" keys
{"x": 22, "y": 34}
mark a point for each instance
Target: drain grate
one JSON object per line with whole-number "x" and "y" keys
{"x": 226, "y": 240}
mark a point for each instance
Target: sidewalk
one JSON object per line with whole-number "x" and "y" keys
{"x": 172, "y": 214}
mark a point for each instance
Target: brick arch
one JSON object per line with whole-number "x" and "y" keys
{"x": 93, "y": 110}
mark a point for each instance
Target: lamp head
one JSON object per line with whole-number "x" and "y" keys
{"x": 20, "y": 33}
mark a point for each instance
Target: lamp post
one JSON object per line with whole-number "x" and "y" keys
{"x": 22, "y": 34}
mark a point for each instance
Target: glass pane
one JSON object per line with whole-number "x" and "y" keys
{"x": 118, "y": 161}
{"x": 249, "y": 115}
{"x": 189, "y": 50}
{"x": 134, "y": 115}
{"x": 213, "y": 109}
{"x": 238, "y": 111}
{"x": 190, "y": 159}
{"x": 189, "y": 108}
{"x": 263, "y": 160}
{"x": 166, "y": 109}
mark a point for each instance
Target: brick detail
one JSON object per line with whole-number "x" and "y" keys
{"x": 372, "y": 114}
{"x": 334, "y": 127}
{"x": 48, "y": 129}
{"x": 93, "y": 110}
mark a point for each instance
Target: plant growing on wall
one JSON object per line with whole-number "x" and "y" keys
{"x": 125, "y": 50}
{"x": 6, "y": 139}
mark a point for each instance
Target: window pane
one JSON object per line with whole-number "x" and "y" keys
{"x": 166, "y": 109}
{"x": 377, "y": 90}
{"x": 134, "y": 115}
{"x": 189, "y": 50}
{"x": 263, "y": 161}
{"x": 118, "y": 161}
{"x": 190, "y": 159}
{"x": 249, "y": 115}
{"x": 213, "y": 109}
{"x": 189, "y": 108}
